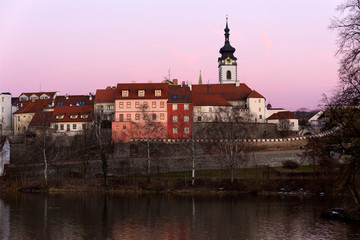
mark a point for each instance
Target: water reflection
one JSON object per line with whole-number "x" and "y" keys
{"x": 101, "y": 216}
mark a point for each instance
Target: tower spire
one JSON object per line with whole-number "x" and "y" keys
{"x": 200, "y": 79}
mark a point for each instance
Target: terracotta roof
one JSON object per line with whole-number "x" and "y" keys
{"x": 179, "y": 94}
{"x": 74, "y": 100}
{"x": 148, "y": 87}
{"x": 105, "y": 95}
{"x": 32, "y": 107}
{"x": 282, "y": 115}
{"x": 41, "y": 119}
{"x": 50, "y": 94}
{"x": 228, "y": 91}
{"x": 68, "y": 111}
{"x": 255, "y": 94}
{"x": 209, "y": 100}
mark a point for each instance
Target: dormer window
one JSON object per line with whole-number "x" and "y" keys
{"x": 60, "y": 116}
{"x": 125, "y": 93}
{"x": 141, "y": 93}
{"x": 74, "y": 116}
{"x": 157, "y": 93}
{"x": 23, "y": 98}
{"x": 84, "y": 116}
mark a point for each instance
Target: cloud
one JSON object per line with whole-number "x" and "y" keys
{"x": 187, "y": 59}
{"x": 264, "y": 38}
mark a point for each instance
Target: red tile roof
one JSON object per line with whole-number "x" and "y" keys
{"x": 255, "y": 94}
{"x": 32, "y": 107}
{"x": 282, "y": 115}
{"x": 179, "y": 94}
{"x": 50, "y": 94}
{"x": 148, "y": 87}
{"x": 41, "y": 119}
{"x": 74, "y": 100}
{"x": 105, "y": 95}
{"x": 67, "y": 111}
{"x": 209, "y": 100}
{"x": 228, "y": 91}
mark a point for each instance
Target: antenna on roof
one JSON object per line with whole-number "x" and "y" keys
{"x": 40, "y": 86}
{"x": 169, "y": 74}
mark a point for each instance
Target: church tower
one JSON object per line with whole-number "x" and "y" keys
{"x": 227, "y": 61}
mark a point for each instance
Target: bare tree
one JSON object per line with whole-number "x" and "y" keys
{"x": 150, "y": 127}
{"x": 230, "y": 130}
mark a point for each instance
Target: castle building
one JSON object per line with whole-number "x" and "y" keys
{"x": 227, "y": 61}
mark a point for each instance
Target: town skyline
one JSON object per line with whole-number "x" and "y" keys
{"x": 287, "y": 55}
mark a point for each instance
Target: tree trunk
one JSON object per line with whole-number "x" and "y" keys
{"x": 148, "y": 159}
{"x": 193, "y": 162}
{"x": 45, "y": 168}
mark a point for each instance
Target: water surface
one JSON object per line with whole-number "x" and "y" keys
{"x": 101, "y": 216}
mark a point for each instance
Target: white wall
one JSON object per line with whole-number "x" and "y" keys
{"x": 5, "y": 114}
{"x": 257, "y": 109}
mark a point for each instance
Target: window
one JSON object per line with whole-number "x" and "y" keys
{"x": 186, "y": 130}
{"x": 84, "y": 116}
{"x": 259, "y": 100}
{"x": 146, "y": 104}
{"x": 154, "y": 104}
{"x": 186, "y": 106}
{"x": 145, "y": 116}
{"x": 2, "y": 109}
{"x": 175, "y": 131}
{"x": 141, "y": 93}
{"x": 117, "y": 126}
{"x": 128, "y": 105}
{"x": 56, "y": 127}
{"x": 292, "y": 124}
{"x": 157, "y": 93}
{"x": 2, "y": 99}
{"x": 137, "y": 116}
{"x": 125, "y": 93}
{"x": 137, "y": 104}
{"x": 121, "y": 117}
{"x": 186, "y": 118}
{"x": 228, "y": 74}
{"x": 162, "y": 105}
{"x": 154, "y": 116}
{"x": 260, "y": 116}
{"x": 74, "y": 126}
{"x": 67, "y": 127}
{"x": 174, "y": 118}
{"x": 84, "y": 126}
{"x": 199, "y": 119}
{"x": 73, "y": 116}
{"x": 124, "y": 126}
{"x": 199, "y": 109}
{"x": 18, "y": 118}
{"x": 174, "y": 106}
{"x": 128, "y": 117}
{"x": 121, "y": 105}
{"x": 259, "y": 109}
{"x": 174, "y": 97}
{"x": 162, "y": 116}
{"x": 61, "y": 126}
{"x": 60, "y": 116}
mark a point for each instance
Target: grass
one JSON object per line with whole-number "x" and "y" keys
{"x": 242, "y": 173}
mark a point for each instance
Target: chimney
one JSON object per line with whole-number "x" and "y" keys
{"x": 90, "y": 96}
{"x": 182, "y": 83}
{"x": 108, "y": 87}
{"x": 149, "y": 81}
{"x": 237, "y": 83}
{"x": 33, "y": 99}
{"x": 133, "y": 81}
{"x": 175, "y": 81}
{"x": 66, "y": 96}
{"x": 113, "y": 87}
{"x": 190, "y": 86}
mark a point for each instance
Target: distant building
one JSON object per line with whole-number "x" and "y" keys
{"x": 5, "y": 114}
{"x": 4, "y": 153}
{"x": 105, "y": 103}
{"x": 285, "y": 121}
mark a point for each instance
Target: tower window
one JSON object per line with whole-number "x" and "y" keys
{"x": 228, "y": 74}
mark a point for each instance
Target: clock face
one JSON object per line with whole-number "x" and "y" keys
{"x": 228, "y": 60}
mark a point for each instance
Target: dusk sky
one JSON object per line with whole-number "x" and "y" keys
{"x": 284, "y": 48}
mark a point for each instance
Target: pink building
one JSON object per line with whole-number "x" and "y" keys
{"x": 137, "y": 106}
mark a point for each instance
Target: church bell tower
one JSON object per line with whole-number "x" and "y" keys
{"x": 227, "y": 61}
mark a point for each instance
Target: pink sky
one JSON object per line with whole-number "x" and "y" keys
{"x": 284, "y": 48}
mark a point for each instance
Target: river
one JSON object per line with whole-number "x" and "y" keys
{"x": 115, "y": 216}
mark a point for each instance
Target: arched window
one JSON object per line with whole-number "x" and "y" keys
{"x": 228, "y": 74}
